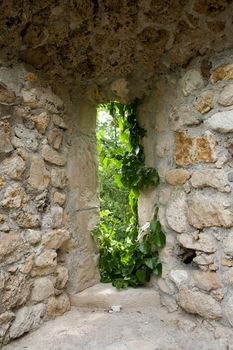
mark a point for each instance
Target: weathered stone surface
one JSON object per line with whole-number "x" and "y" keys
{"x": 169, "y": 302}
{"x": 6, "y": 317}
{"x": 204, "y": 102}
{"x": 226, "y": 96}
{"x": 120, "y": 88}
{"x": 32, "y": 236}
{"x": 182, "y": 117}
{"x": 27, "y": 264}
{"x": 11, "y": 247}
{"x": 3, "y": 223}
{"x": 176, "y": 212}
{"x": 228, "y": 244}
{"x": 39, "y": 176}
{"x": 42, "y": 121}
{"x": 204, "y": 259}
{"x": 55, "y": 137}
{"x": 42, "y": 201}
{"x": 206, "y": 212}
{"x": 52, "y": 156}
{"x": 58, "y": 305}
{"x": 179, "y": 277}
{"x": 223, "y": 72}
{"x": 14, "y": 197}
{"x": 42, "y": 289}
{"x": 228, "y": 309}
{"x": 53, "y": 218}
{"x": 45, "y": 262}
{"x": 211, "y": 177}
{"x": 206, "y": 280}
{"x": 41, "y": 98}
{"x": 177, "y": 176}
{"x": 59, "y": 121}
{"x": 16, "y": 292}
{"x": 27, "y": 318}
{"x": 5, "y": 143}
{"x": 228, "y": 277}
{"x": 62, "y": 275}
{"x": 191, "y": 150}
{"x": 24, "y": 138}
{"x": 6, "y": 96}
{"x": 58, "y": 178}
{"x": 199, "y": 303}
{"x": 59, "y": 198}
{"x": 191, "y": 81}
{"x": 55, "y": 239}
{"x": 26, "y": 219}
{"x": 221, "y": 122}
{"x": 202, "y": 242}
{"x": 13, "y": 167}
{"x": 230, "y": 176}
{"x": 2, "y": 183}
{"x": 227, "y": 262}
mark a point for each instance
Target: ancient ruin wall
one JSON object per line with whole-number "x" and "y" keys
{"x": 190, "y": 124}
{"x": 44, "y": 243}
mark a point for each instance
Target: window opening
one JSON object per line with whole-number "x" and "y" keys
{"x": 127, "y": 257}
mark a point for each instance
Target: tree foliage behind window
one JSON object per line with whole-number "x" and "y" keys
{"x": 125, "y": 260}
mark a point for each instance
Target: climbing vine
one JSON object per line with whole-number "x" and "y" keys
{"x": 127, "y": 258}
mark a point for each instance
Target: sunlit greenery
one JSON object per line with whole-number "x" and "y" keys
{"x": 124, "y": 260}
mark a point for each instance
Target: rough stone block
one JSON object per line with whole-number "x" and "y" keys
{"x": 201, "y": 242}
{"x": 206, "y": 211}
{"x": 52, "y": 156}
{"x": 42, "y": 289}
{"x": 226, "y": 96}
{"x": 199, "y": 303}
{"x": 27, "y": 318}
{"x": 191, "y": 150}
{"x": 223, "y": 72}
{"x": 13, "y": 167}
{"x": 55, "y": 239}
{"x": 204, "y": 103}
{"x": 58, "y": 305}
{"x": 221, "y": 122}
{"x": 41, "y": 121}
{"x": 211, "y": 178}
{"x": 176, "y": 212}
{"x": 191, "y": 81}
{"x": 39, "y": 176}
{"x": 177, "y": 176}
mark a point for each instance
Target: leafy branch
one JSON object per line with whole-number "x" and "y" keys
{"x": 125, "y": 260}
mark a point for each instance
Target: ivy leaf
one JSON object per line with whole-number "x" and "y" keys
{"x": 159, "y": 239}
{"x": 141, "y": 276}
{"x": 144, "y": 247}
{"x": 155, "y": 225}
{"x": 151, "y": 262}
{"x": 158, "y": 270}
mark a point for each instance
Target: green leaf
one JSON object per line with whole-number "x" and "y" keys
{"x": 158, "y": 270}
{"x": 117, "y": 179}
{"x": 141, "y": 276}
{"x": 159, "y": 239}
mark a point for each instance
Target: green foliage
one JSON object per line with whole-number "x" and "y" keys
{"x": 125, "y": 260}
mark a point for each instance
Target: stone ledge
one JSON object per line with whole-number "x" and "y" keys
{"x": 104, "y": 295}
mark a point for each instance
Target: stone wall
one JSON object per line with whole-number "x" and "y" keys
{"x": 39, "y": 247}
{"x": 189, "y": 140}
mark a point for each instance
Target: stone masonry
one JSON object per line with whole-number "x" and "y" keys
{"x": 35, "y": 235}
{"x": 58, "y": 60}
{"x": 193, "y": 124}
